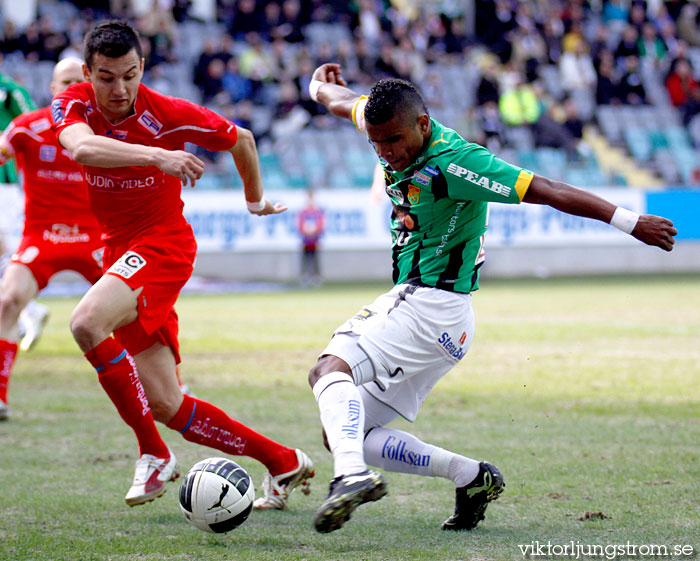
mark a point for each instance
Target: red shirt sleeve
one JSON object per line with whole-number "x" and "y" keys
{"x": 200, "y": 126}
{"x": 69, "y": 107}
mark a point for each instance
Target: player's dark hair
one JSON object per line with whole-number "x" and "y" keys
{"x": 112, "y": 39}
{"x": 392, "y": 97}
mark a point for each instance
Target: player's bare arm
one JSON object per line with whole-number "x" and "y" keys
{"x": 90, "y": 149}
{"x": 245, "y": 156}
{"x": 650, "y": 229}
{"x": 332, "y": 91}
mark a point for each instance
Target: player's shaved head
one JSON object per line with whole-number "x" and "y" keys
{"x": 112, "y": 39}
{"x": 66, "y": 72}
{"x": 392, "y": 97}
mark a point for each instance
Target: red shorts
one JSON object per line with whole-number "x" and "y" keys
{"x": 161, "y": 265}
{"x": 47, "y": 252}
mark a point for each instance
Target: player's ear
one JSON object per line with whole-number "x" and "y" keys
{"x": 86, "y": 72}
{"x": 424, "y": 123}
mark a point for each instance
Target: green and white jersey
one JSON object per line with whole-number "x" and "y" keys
{"x": 14, "y": 100}
{"x": 441, "y": 208}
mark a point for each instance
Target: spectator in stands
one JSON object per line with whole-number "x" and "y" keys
{"x": 290, "y": 29}
{"x": 576, "y": 69}
{"x": 386, "y": 66}
{"x": 159, "y": 28}
{"x": 628, "y": 44}
{"x": 213, "y": 49}
{"x": 688, "y": 25}
{"x": 30, "y": 42}
{"x": 529, "y": 48}
{"x": 257, "y": 64}
{"x": 237, "y": 86}
{"x": 683, "y": 89}
{"x": 552, "y": 33}
{"x": 247, "y": 18}
{"x": 651, "y": 48}
{"x": 369, "y": 23}
{"x": 488, "y": 89}
{"x": 456, "y": 39}
{"x": 521, "y": 106}
{"x": 53, "y": 41}
{"x": 638, "y": 16}
{"x": 432, "y": 90}
{"x": 212, "y": 84}
{"x": 672, "y": 43}
{"x": 631, "y": 87}
{"x": 10, "y": 38}
{"x": 608, "y": 82}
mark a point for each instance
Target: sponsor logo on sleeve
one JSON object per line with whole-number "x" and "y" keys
{"x": 430, "y": 170}
{"x": 150, "y": 123}
{"x": 57, "y": 111}
{"x": 127, "y": 265}
{"x": 476, "y": 179}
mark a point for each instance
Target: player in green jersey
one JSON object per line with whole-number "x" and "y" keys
{"x": 14, "y": 100}
{"x": 383, "y": 362}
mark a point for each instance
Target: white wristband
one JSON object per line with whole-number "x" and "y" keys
{"x": 255, "y": 207}
{"x": 314, "y": 85}
{"x": 624, "y": 220}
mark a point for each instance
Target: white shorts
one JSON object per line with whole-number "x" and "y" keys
{"x": 404, "y": 342}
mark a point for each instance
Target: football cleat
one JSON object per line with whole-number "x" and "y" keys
{"x": 277, "y": 488}
{"x": 31, "y": 323}
{"x": 346, "y": 493}
{"x": 4, "y": 411}
{"x": 471, "y": 500}
{"x": 150, "y": 477}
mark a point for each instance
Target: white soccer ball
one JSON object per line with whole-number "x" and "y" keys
{"x": 216, "y": 495}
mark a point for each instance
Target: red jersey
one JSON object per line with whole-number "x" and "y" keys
{"x": 54, "y": 192}
{"x": 137, "y": 201}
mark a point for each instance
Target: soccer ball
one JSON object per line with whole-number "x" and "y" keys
{"x": 216, "y": 495}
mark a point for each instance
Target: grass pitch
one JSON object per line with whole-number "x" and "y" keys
{"x": 586, "y": 394}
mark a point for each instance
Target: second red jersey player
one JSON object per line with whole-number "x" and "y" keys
{"x": 60, "y": 231}
{"x": 130, "y": 140}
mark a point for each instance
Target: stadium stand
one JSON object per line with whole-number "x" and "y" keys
{"x": 621, "y": 126}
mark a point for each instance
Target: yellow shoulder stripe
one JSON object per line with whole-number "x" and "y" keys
{"x": 354, "y": 112}
{"x": 522, "y": 184}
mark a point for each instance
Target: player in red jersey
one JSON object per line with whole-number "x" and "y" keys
{"x": 60, "y": 231}
{"x": 130, "y": 140}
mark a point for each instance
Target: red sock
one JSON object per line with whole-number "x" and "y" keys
{"x": 203, "y": 423}
{"x": 8, "y": 352}
{"x": 117, "y": 374}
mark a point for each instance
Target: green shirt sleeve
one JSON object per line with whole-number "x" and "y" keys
{"x": 475, "y": 174}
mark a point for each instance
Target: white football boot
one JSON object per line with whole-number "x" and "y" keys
{"x": 31, "y": 323}
{"x": 150, "y": 476}
{"x": 4, "y": 411}
{"x": 277, "y": 488}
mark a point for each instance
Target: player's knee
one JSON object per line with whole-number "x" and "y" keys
{"x": 83, "y": 326}
{"x": 326, "y": 365}
{"x": 11, "y": 305}
{"x": 162, "y": 410}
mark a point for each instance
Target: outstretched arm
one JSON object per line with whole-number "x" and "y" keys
{"x": 329, "y": 88}
{"x": 647, "y": 228}
{"x": 90, "y": 149}
{"x": 245, "y": 156}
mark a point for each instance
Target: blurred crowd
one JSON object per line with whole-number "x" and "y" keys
{"x": 603, "y": 52}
